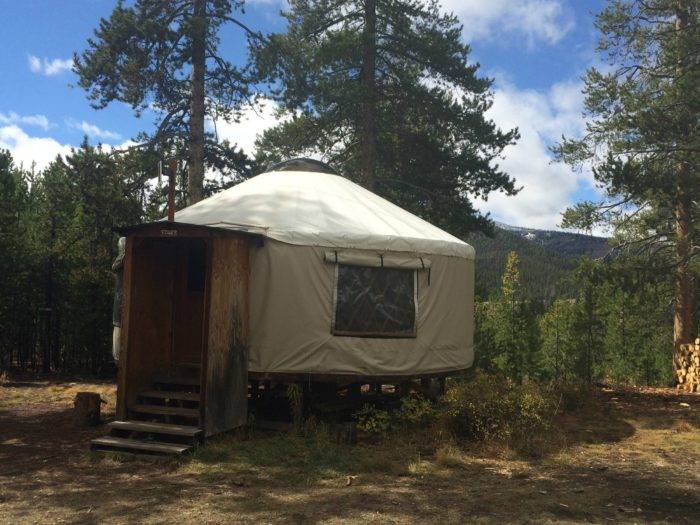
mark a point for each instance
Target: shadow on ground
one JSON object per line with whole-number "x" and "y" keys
{"x": 598, "y": 473}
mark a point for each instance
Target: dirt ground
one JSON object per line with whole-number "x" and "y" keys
{"x": 632, "y": 457}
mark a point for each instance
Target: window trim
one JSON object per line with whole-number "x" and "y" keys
{"x": 373, "y": 335}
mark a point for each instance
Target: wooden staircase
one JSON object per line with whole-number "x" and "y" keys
{"x": 164, "y": 421}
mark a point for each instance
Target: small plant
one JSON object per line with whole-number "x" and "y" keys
{"x": 416, "y": 411}
{"x": 417, "y": 467}
{"x": 295, "y": 399}
{"x": 373, "y": 420}
{"x": 448, "y": 455}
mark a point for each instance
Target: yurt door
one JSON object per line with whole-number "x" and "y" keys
{"x": 188, "y": 304}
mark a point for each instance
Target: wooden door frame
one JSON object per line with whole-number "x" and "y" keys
{"x": 165, "y": 229}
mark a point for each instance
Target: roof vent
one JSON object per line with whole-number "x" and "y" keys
{"x": 303, "y": 164}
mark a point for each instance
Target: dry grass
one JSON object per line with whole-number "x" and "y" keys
{"x": 632, "y": 457}
{"x": 448, "y": 455}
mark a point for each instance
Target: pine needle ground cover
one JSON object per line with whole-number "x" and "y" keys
{"x": 631, "y": 456}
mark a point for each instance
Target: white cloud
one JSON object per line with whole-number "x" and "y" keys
{"x": 49, "y": 67}
{"x": 536, "y": 20}
{"x": 32, "y": 120}
{"x": 548, "y": 187}
{"x": 92, "y": 130}
{"x": 251, "y": 124}
{"x": 26, "y": 149}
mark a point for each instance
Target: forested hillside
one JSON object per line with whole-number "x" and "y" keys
{"x": 546, "y": 257}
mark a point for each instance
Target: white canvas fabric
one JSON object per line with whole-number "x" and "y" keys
{"x": 291, "y": 311}
{"x": 320, "y": 209}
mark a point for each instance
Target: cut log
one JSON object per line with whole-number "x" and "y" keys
{"x": 86, "y": 408}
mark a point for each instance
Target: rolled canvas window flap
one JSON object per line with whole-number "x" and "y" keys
{"x": 407, "y": 262}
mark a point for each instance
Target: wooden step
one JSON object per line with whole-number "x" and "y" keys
{"x": 126, "y": 445}
{"x": 168, "y": 394}
{"x": 166, "y": 411}
{"x": 156, "y": 428}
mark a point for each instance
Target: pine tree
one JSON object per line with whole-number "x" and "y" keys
{"x": 512, "y": 323}
{"x": 558, "y": 344}
{"x": 588, "y": 322}
{"x": 79, "y": 200}
{"x": 385, "y": 92}
{"x": 163, "y": 54}
{"x": 643, "y": 140}
{"x": 17, "y": 264}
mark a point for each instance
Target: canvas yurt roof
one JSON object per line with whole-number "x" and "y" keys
{"x": 313, "y": 208}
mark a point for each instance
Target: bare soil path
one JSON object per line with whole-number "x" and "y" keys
{"x": 633, "y": 457}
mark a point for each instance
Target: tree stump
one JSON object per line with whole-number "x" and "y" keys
{"x": 86, "y": 408}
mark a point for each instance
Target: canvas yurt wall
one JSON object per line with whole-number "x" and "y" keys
{"x": 292, "y": 311}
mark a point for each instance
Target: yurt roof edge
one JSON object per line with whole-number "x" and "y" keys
{"x": 324, "y": 210}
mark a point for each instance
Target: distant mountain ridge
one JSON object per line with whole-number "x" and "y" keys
{"x": 565, "y": 243}
{"x": 546, "y": 258}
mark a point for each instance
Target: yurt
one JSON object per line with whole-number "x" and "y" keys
{"x": 345, "y": 283}
{"x": 296, "y": 274}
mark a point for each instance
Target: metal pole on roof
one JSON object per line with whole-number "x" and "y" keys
{"x": 171, "y": 190}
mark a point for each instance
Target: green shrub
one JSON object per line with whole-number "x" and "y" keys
{"x": 535, "y": 408}
{"x": 491, "y": 407}
{"x": 416, "y": 411}
{"x": 373, "y": 420}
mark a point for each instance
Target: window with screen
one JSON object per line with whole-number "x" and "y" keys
{"x": 374, "y": 302}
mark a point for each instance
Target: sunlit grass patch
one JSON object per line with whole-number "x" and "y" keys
{"x": 448, "y": 455}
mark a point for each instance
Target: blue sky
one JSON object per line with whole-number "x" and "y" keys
{"x": 536, "y": 50}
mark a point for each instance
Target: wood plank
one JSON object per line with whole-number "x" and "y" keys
{"x": 170, "y": 394}
{"x": 167, "y": 411}
{"x": 182, "y": 381}
{"x": 125, "y": 332}
{"x": 156, "y": 428}
{"x": 228, "y": 326}
{"x": 135, "y": 444}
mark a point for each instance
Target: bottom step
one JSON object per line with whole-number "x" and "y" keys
{"x": 134, "y": 445}
{"x": 156, "y": 428}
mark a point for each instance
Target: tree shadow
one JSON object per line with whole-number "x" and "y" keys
{"x": 44, "y": 463}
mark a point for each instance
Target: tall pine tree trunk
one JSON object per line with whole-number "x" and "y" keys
{"x": 683, "y": 311}
{"x": 195, "y": 182}
{"x": 368, "y": 140}
{"x": 49, "y": 306}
